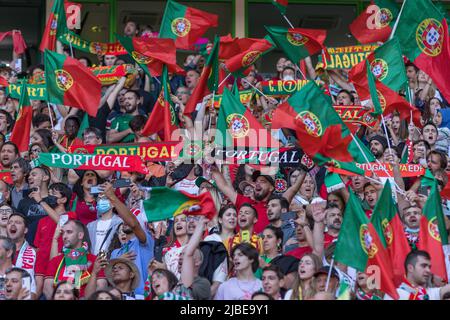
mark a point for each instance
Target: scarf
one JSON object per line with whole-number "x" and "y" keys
{"x": 415, "y": 293}
{"x": 77, "y": 261}
{"x": 361, "y": 295}
{"x": 26, "y": 259}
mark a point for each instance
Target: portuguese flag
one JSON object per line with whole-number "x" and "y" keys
{"x": 163, "y": 117}
{"x": 360, "y": 247}
{"x": 388, "y": 224}
{"x": 298, "y": 43}
{"x": 152, "y": 53}
{"x": 238, "y": 126}
{"x": 4, "y": 82}
{"x": 165, "y": 203}
{"x": 423, "y": 34}
{"x": 376, "y": 22}
{"x": 320, "y": 130}
{"x": 387, "y": 66}
{"x": 57, "y": 18}
{"x": 433, "y": 234}
{"x": 373, "y": 92}
{"x": 247, "y": 52}
{"x": 185, "y": 24}
{"x": 208, "y": 81}
{"x": 281, "y": 5}
{"x": 21, "y": 132}
{"x": 71, "y": 84}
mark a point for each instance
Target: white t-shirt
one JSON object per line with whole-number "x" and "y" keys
{"x": 100, "y": 233}
{"x": 433, "y": 293}
{"x": 235, "y": 289}
{"x": 188, "y": 186}
{"x": 447, "y": 258}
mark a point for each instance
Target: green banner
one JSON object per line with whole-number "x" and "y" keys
{"x": 283, "y": 88}
{"x": 102, "y": 48}
{"x": 35, "y": 91}
{"x": 345, "y": 57}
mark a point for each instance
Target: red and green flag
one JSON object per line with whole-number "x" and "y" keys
{"x": 71, "y": 84}
{"x": 21, "y": 132}
{"x": 165, "y": 203}
{"x": 208, "y": 81}
{"x": 4, "y": 82}
{"x": 321, "y": 133}
{"x": 281, "y": 5}
{"x": 386, "y": 221}
{"x": 57, "y": 19}
{"x": 298, "y": 43}
{"x": 360, "y": 247}
{"x": 185, "y": 25}
{"x": 433, "y": 234}
{"x": 422, "y": 31}
{"x": 163, "y": 118}
{"x": 376, "y": 22}
{"x": 152, "y": 53}
{"x": 239, "y": 127}
{"x": 388, "y": 69}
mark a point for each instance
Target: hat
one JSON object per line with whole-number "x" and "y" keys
{"x": 287, "y": 264}
{"x": 257, "y": 174}
{"x": 131, "y": 265}
{"x": 200, "y": 180}
{"x": 381, "y": 140}
{"x": 326, "y": 270}
{"x": 243, "y": 184}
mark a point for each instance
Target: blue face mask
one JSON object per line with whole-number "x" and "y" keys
{"x": 103, "y": 206}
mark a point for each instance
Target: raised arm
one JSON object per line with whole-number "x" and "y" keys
{"x": 290, "y": 193}
{"x": 112, "y": 96}
{"x": 223, "y": 186}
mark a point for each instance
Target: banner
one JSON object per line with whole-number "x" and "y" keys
{"x": 245, "y": 97}
{"x": 148, "y": 151}
{"x": 406, "y": 170}
{"x": 345, "y": 57}
{"x": 111, "y": 74}
{"x": 35, "y": 91}
{"x": 91, "y": 162}
{"x": 356, "y": 114}
{"x": 97, "y": 48}
{"x": 283, "y": 88}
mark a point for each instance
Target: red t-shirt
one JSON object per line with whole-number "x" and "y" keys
{"x": 54, "y": 264}
{"x": 43, "y": 242}
{"x": 328, "y": 239}
{"x": 261, "y": 209}
{"x": 299, "y": 252}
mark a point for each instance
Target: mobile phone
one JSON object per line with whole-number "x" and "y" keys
{"x": 122, "y": 183}
{"x": 33, "y": 189}
{"x": 245, "y": 235}
{"x": 26, "y": 283}
{"x": 63, "y": 219}
{"x": 96, "y": 189}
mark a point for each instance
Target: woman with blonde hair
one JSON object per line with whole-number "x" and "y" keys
{"x": 303, "y": 288}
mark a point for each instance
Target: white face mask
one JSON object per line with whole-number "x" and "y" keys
{"x": 287, "y": 78}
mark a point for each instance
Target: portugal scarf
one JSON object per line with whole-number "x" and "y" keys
{"x": 415, "y": 293}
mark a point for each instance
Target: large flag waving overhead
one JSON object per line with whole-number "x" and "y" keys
{"x": 21, "y": 132}
{"x": 163, "y": 115}
{"x": 320, "y": 131}
{"x": 298, "y": 43}
{"x": 360, "y": 247}
{"x": 185, "y": 24}
{"x": 433, "y": 234}
{"x": 56, "y": 19}
{"x": 375, "y": 23}
{"x": 208, "y": 79}
{"x": 387, "y": 222}
{"x": 152, "y": 53}
{"x": 70, "y": 83}
{"x": 387, "y": 66}
{"x": 248, "y": 51}
{"x": 423, "y": 34}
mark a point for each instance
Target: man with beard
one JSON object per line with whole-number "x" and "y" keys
{"x": 332, "y": 218}
{"x": 8, "y": 153}
{"x": 377, "y": 146}
{"x": 264, "y": 186}
{"x": 371, "y": 197}
{"x": 411, "y": 223}
{"x": 120, "y": 127}
{"x": 418, "y": 273}
{"x": 71, "y": 127}
{"x": 247, "y": 219}
{"x": 345, "y": 98}
{"x": 75, "y": 264}
{"x": 279, "y": 217}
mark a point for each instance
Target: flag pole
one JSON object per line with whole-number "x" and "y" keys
{"x": 298, "y": 69}
{"x": 385, "y": 131}
{"x": 329, "y": 274}
{"x": 259, "y": 91}
{"x": 50, "y": 114}
{"x": 223, "y": 81}
{"x": 287, "y": 20}
{"x": 396, "y": 22}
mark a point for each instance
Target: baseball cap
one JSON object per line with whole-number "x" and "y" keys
{"x": 287, "y": 264}
{"x": 244, "y": 184}
{"x": 200, "y": 180}
{"x": 257, "y": 174}
{"x": 326, "y": 270}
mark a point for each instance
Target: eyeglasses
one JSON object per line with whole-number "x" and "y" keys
{"x": 5, "y": 211}
{"x": 192, "y": 218}
{"x": 36, "y": 150}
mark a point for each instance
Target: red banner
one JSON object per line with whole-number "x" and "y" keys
{"x": 406, "y": 170}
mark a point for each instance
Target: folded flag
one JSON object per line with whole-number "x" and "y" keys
{"x": 165, "y": 203}
{"x": 185, "y": 24}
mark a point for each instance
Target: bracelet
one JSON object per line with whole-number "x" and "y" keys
{"x": 42, "y": 200}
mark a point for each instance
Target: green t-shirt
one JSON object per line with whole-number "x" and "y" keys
{"x": 122, "y": 123}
